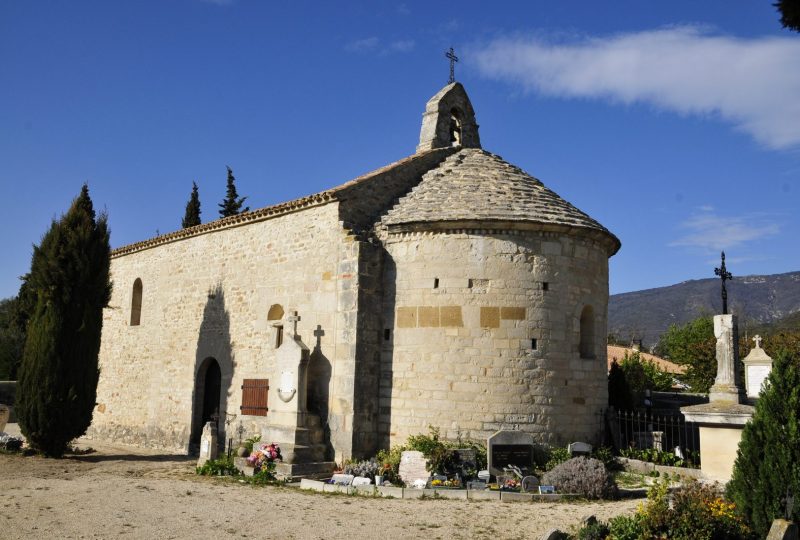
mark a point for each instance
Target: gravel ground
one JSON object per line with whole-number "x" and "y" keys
{"x": 127, "y": 492}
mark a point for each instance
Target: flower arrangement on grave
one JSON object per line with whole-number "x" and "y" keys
{"x": 264, "y": 456}
{"x": 510, "y": 484}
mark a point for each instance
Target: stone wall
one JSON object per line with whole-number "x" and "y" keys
{"x": 461, "y": 311}
{"x": 208, "y": 295}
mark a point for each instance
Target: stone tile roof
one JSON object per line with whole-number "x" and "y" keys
{"x": 616, "y": 352}
{"x": 474, "y": 185}
{"x": 365, "y": 195}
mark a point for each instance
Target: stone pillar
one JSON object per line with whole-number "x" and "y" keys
{"x": 727, "y": 386}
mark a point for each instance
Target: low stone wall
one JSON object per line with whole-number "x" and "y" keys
{"x": 645, "y": 467}
{"x": 409, "y": 493}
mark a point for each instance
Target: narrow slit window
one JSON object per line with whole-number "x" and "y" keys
{"x": 278, "y": 335}
{"x": 436, "y": 283}
{"x": 545, "y": 286}
{"x": 534, "y": 344}
{"x": 136, "y": 303}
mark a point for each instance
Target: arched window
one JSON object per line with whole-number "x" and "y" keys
{"x": 275, "y": 316}
{"x": 136, "y": 303}
{"x": 587, "y": 332}
{"x": 455, "y": 127}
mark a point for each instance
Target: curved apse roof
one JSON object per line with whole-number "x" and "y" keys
{"x": 474, "y": 185}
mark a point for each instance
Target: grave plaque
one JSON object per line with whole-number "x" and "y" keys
{"x": 506, "y": 448}
{"x": 466, "y": 459}
{"x": 413, "y": 467}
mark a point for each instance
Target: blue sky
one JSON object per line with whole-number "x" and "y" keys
{"x": 675, "y": 124}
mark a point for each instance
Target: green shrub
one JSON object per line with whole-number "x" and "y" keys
{"x": 249, "y": 443}
{"x": 625, "y": 527}
{"x": 653, "y": 455}
{"x": 367, "y": 468}
{"x": 593, "y": 531}
{"x": 582, "y": 476}
{"x": 218, "y": 467}
{"x": 606, "y": 455}
{"x": 555, "y": 456}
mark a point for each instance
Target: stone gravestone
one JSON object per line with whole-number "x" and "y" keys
{"x": 361, "y": 481}
{"x": 506, "y": 448}
{"x": 530, "y": 484}
{"x": 757, "y": 366}
{"x": 208, "y": 444}
{"x": 5, "y": 413}
{"x": 580, "y": 449}
{"x": 413, "y": 467}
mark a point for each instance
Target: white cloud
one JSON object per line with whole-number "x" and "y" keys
{"x": 402, "y": 45}
{"x": 361, "y": 45}
{"x": 712, "y": 232}
{"x": 753, "y": 84}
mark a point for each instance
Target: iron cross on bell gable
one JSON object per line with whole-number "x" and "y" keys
{"x": 451, "y": 55}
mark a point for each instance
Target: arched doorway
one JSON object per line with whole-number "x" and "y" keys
{"x": 207, "y": 390}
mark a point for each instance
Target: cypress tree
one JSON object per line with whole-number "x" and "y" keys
{"x": 232, "y": 204}
{"x": 192, "y": 215}
{"x": 619, "y": 391}
{"x": 69, "y": 280}
{"x": 768, "y": 459}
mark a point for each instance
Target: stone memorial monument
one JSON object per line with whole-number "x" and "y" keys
{"x": 722, "y": 419}
{"x": 757, "y": 366}
{"x": 208, "y": 444}
{"x": 289, "y": 423}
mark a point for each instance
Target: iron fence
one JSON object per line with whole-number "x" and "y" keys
{"x": 645, "y": 430}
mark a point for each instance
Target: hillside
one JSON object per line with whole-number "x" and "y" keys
{"x": 755, "y": 299}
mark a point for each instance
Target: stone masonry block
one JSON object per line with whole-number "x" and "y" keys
{"x": 512, "y": 313}
{"x": 490, "y": 317}
{"x": 450, "y": 316}
{"x": 428, "y": 316}
{"x": 406, "y": 317}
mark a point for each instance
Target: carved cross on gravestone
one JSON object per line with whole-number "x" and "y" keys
{"x": 724, "y": 275}
{"x": 758, "y": 340}
{"x": 293, "y": 319}
{"x": 240, "y": 431}
{"x": 451, "y": 55}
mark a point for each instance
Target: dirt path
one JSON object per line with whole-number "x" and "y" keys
{"x": 131, "y": 493}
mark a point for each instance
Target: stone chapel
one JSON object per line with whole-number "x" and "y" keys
{"x": 449, "y": 289}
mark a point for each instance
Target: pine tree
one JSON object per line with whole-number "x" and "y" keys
{"x": 768, "y": 459}
{"x": 69, "y": 280}
{"x": 192, "y": 215}
{"x": 232, "y": 204}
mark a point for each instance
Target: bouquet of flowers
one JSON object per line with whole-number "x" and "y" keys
{"x": 263, "y": 455}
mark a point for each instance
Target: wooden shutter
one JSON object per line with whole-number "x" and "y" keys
{"x": 254, "y": 397}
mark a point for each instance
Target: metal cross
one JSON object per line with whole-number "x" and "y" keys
{"x": 451, "y": 54}
{"x": 758, "y": 340}
{"x": 240, "y": 431}
{"x": 294, "y": 318}
{"x": 724, "y": 275}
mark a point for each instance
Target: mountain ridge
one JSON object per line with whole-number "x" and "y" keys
{"x": 757, "y": 299}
